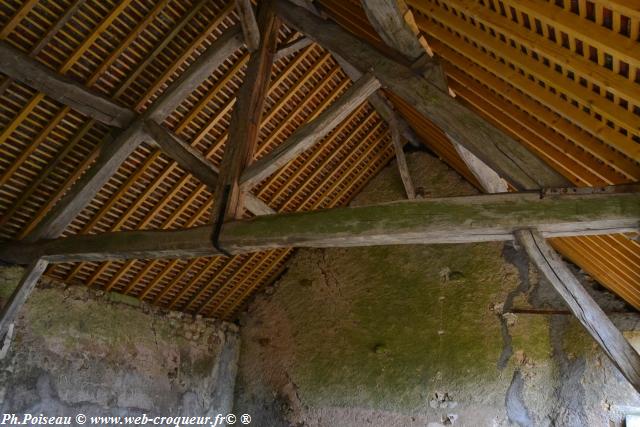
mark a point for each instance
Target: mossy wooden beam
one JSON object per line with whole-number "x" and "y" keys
{"x": 582, "y": 305}
{"x": 483, "y": 218}
{"x": 503, "y": 154}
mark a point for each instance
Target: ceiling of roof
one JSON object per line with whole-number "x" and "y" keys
{"x": 578, "y": 111}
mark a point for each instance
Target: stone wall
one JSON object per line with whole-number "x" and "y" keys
{"x": 424, "y": 336}
{"x": 76, "y": 350}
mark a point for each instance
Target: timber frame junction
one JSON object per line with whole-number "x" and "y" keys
{"x": 530, "y": 201}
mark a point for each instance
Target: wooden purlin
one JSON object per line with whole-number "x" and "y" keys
{"x": 571, "y": 99}
{"x": 172, "y": 207}
{"x": 163, "y": 178}
{"x": 586, "y": 137}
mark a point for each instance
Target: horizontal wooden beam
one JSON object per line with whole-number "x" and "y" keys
{"x": 311, "y": 133}
{"x": 582, "y": 305}
{"x": 469, "y": 219}
{"x": 117, "y": 146}
{"x": 19, "y": 66}
{"x": 503, "y": 154}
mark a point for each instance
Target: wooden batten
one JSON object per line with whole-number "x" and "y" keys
{"x": 311, "y": 133}
{"x": 493, "y": 147}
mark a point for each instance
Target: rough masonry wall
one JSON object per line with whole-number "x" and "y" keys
{"x": 423, "y": 336}
{"x": 80, "y": 351}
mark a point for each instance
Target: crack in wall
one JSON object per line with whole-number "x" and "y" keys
{"x": 511, "y": 254}
{"x": 516, "y": 409}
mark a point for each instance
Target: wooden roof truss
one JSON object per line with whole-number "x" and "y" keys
{"x": 403, "y": 65}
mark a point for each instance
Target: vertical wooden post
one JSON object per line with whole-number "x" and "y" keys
{"x": 594, "y": 320}
{"x": 245, "y": 120}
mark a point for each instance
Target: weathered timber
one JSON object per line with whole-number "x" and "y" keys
{"x": 245, "y": 120}
{"x": 387, "y": 19}
{"x": 200, "y": 70}
{"x": 249, "y": 25}
{"x": 195, "y": 163}
{"x": 468, "y": 219}
{"x": 401, "y": 160}
{"x": 20, "y": 67}
{"x": 113, "y": 152}
{"x": 311, "y": 133}
{"x": 257, "y": 206}
{"x": 186, "y": 156}
{"x": 391, "y": 20}
{"x": 586, "y": 310}
{"x": 487, "y": 177}
{"x": 117, "y": 146}
{"x": 381, "y": 104}
{"x": 503, "y": 154}
{"x": 291, "y": 48}
{"x": 21, "y": 293}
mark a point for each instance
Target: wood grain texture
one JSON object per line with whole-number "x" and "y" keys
{"x": 215, "y": 55}
{"x": 28, "y": 282}
{"x": 493, "y": 147}
{"x": 246, "y": 118}
{"x": 401, "y": 160}
{"x": 587, "y": 311}
{"x": 195, "y": 163}
{"x": 311, "y": 133}
{"x": 291, "y": 48}
{"x": 467, "y": 219}
{"x": 487, "y": 177}
{"x": 249, "y": 25}
{"x": 27, "y": 70}
{"x": 113, "y": 151}
{"x": 387, "y": 19}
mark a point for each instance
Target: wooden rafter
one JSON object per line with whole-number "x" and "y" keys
{"x": 192, "y": 161}
{"x": 21, "y": 67}
{"x": 116, "y": 149}
{"x": 311, "y": 133}
{"x": 402, "y": 161}
{"x": 448, "y": 220}
{"x": 505, "y": 155}
{"x": 582, "y": 305}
